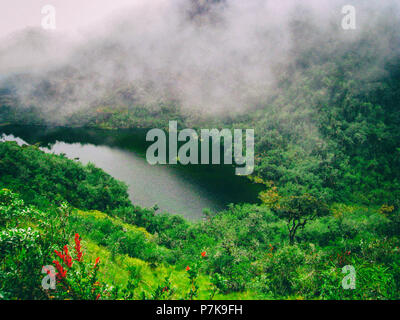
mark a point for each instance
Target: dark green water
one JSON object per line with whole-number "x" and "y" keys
{"x": 177, "y": 189}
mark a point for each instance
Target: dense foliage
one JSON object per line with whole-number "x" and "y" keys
{"x": 245, "y": 251}
{"x": 327, "y": 151}
{"x": 42, "y": 177}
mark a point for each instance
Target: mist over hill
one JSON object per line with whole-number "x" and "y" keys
{"x": 208, "y": 57}
{"x": 323, "y": 100}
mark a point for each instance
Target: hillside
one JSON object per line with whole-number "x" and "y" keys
{"x": 241, "y": 253}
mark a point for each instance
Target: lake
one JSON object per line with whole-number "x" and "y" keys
{"x": 178, "y": 189}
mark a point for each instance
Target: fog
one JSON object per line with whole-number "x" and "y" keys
{"x": 217, "y": 57}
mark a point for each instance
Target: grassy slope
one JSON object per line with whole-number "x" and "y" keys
{"x": 115, "y": 269}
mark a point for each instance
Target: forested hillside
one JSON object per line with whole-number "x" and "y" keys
{"x": 243, "y": 252}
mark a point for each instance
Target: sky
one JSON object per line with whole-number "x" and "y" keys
{"x": 71, "y": 15}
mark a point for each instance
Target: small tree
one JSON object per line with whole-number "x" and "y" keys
{"x": 296, "y": 210}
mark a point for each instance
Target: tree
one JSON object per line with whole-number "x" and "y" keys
{"x": 296, "y": 210}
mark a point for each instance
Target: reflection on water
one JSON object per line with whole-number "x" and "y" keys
{"x": 178, "y": 189}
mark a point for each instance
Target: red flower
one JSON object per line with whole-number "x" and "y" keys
{"x": 61, "y": 256}
{"x": 187, "y": 268}
{"x": 66, "y": 258}
{"x": 98, "y": 296}
{"x": 78, "y": 251}
{"x": 96, "y": 262}
{"x": 61, "y": 272}
{"x": 203, "y": 254}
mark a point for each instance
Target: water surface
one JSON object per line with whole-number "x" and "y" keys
{"x": 179, "y": 189}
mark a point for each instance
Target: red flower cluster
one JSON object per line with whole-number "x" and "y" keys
{"x": 78, "y": 251}
{"x": 203, "y": 254}
{"x": 65, "y": 257}
{"x": 67, "y": 262}
{"x": 61, "y": 272}
{"x": 187, "y": 268}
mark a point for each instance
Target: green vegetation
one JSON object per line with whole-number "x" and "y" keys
{"x": 40, "y": 176}
{"x": 327, "y": 151}
{"x": 245, "y": 252}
